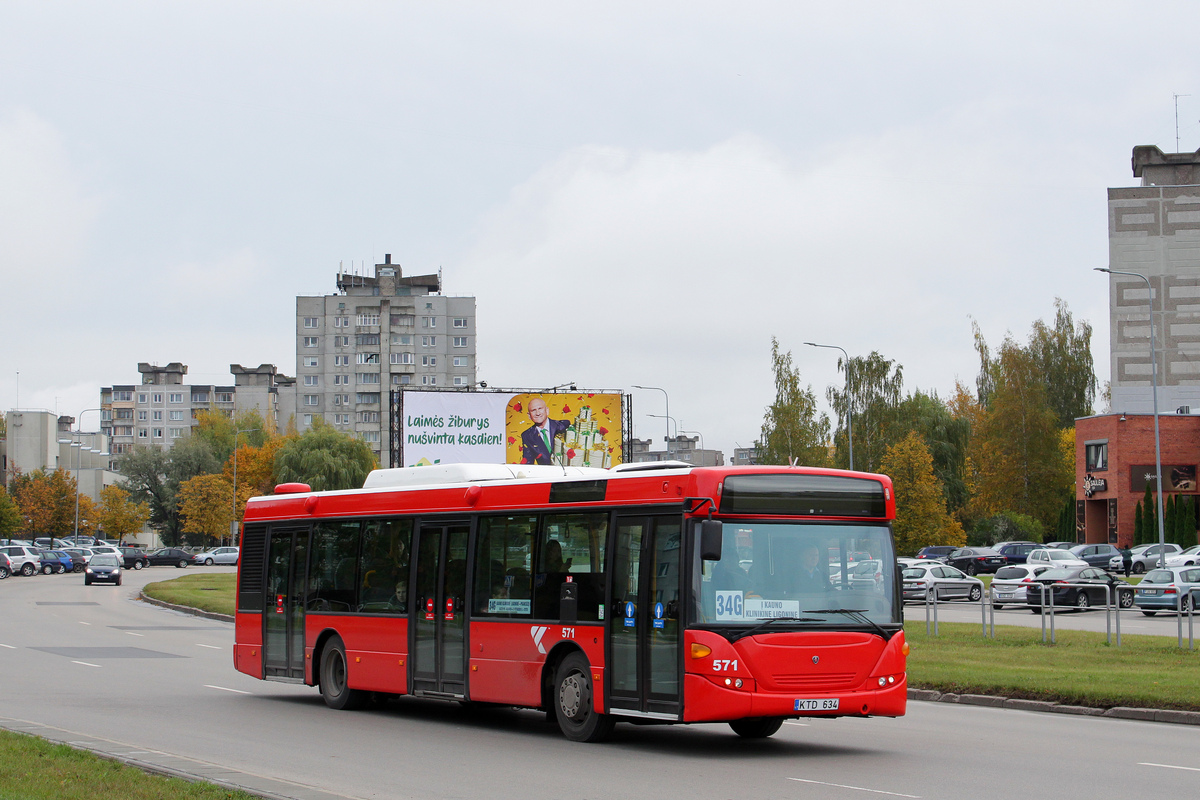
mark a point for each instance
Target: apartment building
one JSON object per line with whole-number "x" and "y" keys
{"x": 162, "y": 409}
{"x": 380, "y": 334}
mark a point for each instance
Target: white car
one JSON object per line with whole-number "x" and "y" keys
{"x": 1144, "y": 557}
{"x": 1010, "y": 583}
{"x": 1053, "y": 557}
{"x": 218, "y": 555}
{"x": 25, "y": 559}
{"x": 922, "y": 580}
{"x": 1188, "y": 558}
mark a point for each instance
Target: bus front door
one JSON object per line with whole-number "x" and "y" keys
{"x": 283, "y": 616}
{"x": 643, "y": 621}
{"x": 439, "y": 612}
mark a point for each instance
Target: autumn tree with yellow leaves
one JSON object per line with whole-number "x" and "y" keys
{"x": 206, "y": 507}
{"x": 118, "y": 515}
{"x": 921, "y": 516}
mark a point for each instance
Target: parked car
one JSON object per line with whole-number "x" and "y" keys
{"x": 1188, "y": 558}
{"x": 48, "y": 543}
{"x": 103, "y": 567}
{"x": 229, "y": 555}
{"x": 25, "y": 559}
{"x": 974, "y": 560}
{"x": 1167, "y": 589}
{"x": 105, "y": 549}
{"x": 1060, "y": 545}
{"x": 56, "y": 561}
{"x": 5, "y": 566}
{"x": 1054, "y": 557}
{"x": 920, "y": 581}
{"x": 79, "y": 557}
{"x": 173, "y": 556}
{"x": 134, "y": 558}
{"x": 1009, "y": 584}
{"x": 1146, "y": 556}
{"x": 1016, "y": 552}
{"x": 935, "y": 552}
{"x": 1064, "y": 596}
{"x": 1096, "y": 555}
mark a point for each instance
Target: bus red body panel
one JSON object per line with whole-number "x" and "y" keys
{"x": 376, "y": 650}
{"x": 247, "y": 650}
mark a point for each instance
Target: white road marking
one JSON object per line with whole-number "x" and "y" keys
{"x": 856, "y": 788}
{"x": 223, "y": 689}
{"x": 131, "y": 633}
{"x": 1167, "y": 766}
{"x": 81, "y": 622}
{"x": 9, "y": 646}
{"x": 210, "y": 646}
{"x": 801, "y": 724}
{"x": 84, "y": 663}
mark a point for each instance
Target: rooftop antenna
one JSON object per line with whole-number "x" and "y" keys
{"x": 1177, "y": 96}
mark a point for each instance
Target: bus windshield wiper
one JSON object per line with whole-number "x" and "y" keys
{"x": 856, "y": 614}
{"x": 763, "y": 625}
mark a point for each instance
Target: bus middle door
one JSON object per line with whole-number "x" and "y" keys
{"x": 439, "y": 612}
{"x": 643, "y": 620}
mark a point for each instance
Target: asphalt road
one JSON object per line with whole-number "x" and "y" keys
{"x": 91, "y": 665}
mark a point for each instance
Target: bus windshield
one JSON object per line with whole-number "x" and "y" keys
{"x": 809, "y": 574}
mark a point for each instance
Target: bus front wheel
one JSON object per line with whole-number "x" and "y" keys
{"x": 574, "y": 703}
{"x": 756, "y": 728}
{"x": 334, "y": 691}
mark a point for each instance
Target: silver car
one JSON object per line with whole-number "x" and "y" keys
{"x": 1146, "y": 556}
{"x": 949, "y": 583}
{"x": 218, "y": 555}
{"x": 1010, "y": 583}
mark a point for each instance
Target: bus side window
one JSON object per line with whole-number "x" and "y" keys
{"x": 385, "y": 558}
{"x": 502, "y": 581}
{"x": 571, "y": 544}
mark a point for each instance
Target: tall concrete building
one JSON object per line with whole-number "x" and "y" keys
{"x": 162, "y": 408}
{"x": 1154, "y": 230}
{"x": 379, "y": 334}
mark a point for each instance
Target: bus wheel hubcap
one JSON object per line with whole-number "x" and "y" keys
{"x": 570, "y": 695}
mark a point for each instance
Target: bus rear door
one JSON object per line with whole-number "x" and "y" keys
{"x": 283, "y": 614}
{"x": 643, "y": 619}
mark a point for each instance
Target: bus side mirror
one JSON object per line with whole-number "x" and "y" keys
{"x": 710, "y": 540}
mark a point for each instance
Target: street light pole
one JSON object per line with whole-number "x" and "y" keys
{"x": 849, "y": 399}
{"x": 667, "y": 409}
{"x": 1158, "y": 482}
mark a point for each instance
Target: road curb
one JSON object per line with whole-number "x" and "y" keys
{"x": 195, "y": 612}
{"x": 1046, "y": 706}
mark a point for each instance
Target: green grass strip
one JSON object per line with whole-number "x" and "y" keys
{"x": 1080, "y": 669}
{"x": 35, "y": 769}
{"x": 207, "y": 592}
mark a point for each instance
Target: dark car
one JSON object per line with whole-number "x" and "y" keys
{"x": 134, "y": 557}
{"x": 1059, "y": 545}
{"x": 1093, "y": 594}
{"x": 974, "y": 560}
{"x": 103, "y": 567}
{"x": 57, "y": 561}
{"x": 79, "y": 557}
{"x": 935, "y": 553}
{"x": 5, "y": 566}
{"x": 1096, "y": 555}
{"x": 1016, "y": 552}
{"x": 171, "y": 556}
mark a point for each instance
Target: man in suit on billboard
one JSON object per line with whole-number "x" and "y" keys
{"x": 537, "y": 441}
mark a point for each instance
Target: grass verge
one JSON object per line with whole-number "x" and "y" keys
{"x": 212, "y": 592}
{"x": 1081, "y": 669}
{"x": 34, "y": 769}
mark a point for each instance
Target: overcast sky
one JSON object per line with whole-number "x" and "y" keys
{"x": 636, "y": 193}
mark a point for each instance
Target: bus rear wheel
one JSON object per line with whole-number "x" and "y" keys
{"x": 756, "y": 728}
{"x": 334, "y": 675}
{"x": 574, "y": 702}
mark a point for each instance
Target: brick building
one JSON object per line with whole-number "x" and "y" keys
{"x": 1114, "y": 461}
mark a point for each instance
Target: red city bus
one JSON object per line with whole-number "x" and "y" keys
{"x": 648, "y": 592}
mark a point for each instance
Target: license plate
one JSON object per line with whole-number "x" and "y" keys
{"x": 1006, "y": 595}
{"x": 826, "y": 704}
{"x": 1149, "y": 591}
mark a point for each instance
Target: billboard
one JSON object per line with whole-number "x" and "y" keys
{"x": 579, "y": 429}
